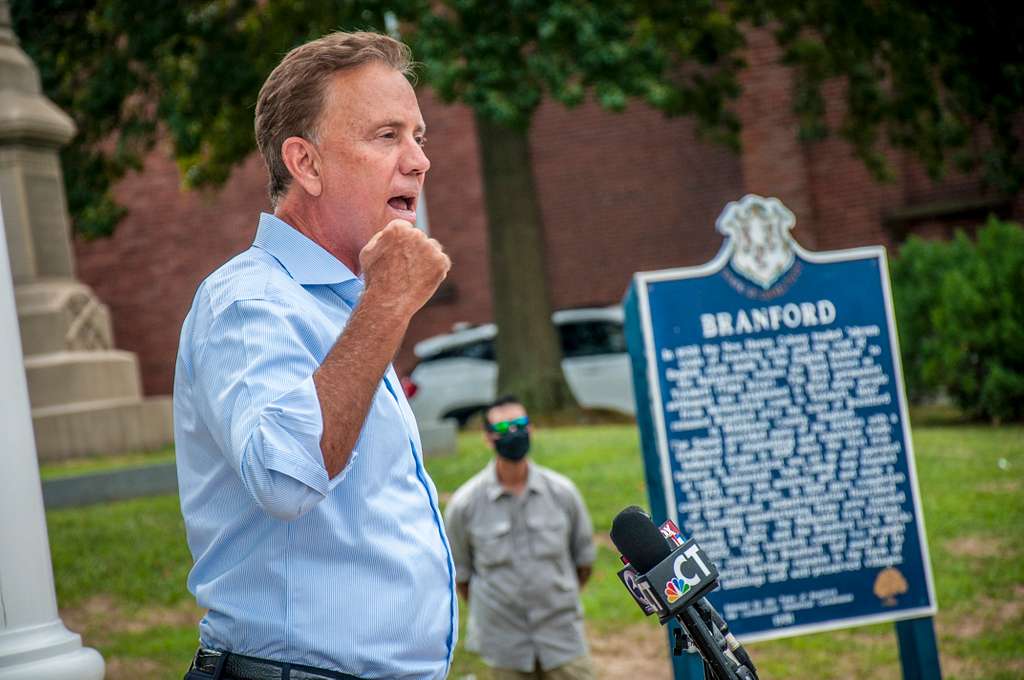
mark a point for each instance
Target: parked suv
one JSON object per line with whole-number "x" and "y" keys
{"x": 457, "y": 373}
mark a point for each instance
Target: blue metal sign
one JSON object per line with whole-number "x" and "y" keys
{"x": 769, "y": 385}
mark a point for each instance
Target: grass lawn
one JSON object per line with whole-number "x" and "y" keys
{"x": 90, "y": 464}
{"x": 120, "y": 568}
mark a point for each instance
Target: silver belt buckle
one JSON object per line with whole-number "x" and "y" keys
{"x": 208, "y": 655}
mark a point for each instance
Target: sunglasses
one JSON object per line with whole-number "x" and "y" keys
{"x": 506, "y": 426}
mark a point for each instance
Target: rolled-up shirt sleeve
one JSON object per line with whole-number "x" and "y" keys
{"x": 254, "y": 378}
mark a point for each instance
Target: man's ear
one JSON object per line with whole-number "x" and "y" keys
{"x": 303, "y": 161}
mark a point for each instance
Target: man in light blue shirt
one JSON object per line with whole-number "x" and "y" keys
{"x": 318, "y": 544}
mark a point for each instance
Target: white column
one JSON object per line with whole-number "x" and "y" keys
{"x": 34, "y": 644}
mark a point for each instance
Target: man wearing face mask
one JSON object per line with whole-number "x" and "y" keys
{"x": 522, "y": 543}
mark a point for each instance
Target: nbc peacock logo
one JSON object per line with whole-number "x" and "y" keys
{"x": 675, "y": 589}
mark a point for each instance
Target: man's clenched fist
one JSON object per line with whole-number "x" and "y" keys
{"x": 403, "y": 267}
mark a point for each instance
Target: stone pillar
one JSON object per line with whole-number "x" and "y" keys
{"x": 86, "y": 396}
{"x": 34, "y": 644}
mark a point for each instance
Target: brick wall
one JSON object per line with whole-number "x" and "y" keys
{"x": 773, "y": 160}
{"x": 171, "y": 239}
{"x": 619, "y": 193}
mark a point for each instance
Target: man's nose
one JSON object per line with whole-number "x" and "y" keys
{"x": 414, "y": 161}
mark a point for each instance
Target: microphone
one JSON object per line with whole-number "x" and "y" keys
{"x": 637, "y": 539}
{"x": 672, "y": 583}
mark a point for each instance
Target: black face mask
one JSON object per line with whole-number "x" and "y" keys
{"x": 513, "y": 445}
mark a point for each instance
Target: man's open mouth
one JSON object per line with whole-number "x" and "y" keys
{"x": 403, "y": 203}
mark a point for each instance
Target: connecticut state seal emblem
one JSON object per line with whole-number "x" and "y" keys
{"x": 758, "y": 228}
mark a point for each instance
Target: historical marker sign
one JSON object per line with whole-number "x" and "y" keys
{"x": 779, "y": 436}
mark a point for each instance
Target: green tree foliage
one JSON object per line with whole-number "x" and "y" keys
{"x": 917, "y": 281}
{"x": 129, "y": 72}
{"x": 944, "y": 80}
{"x": 961, "y": 319}
{"x": 503, "y": 58}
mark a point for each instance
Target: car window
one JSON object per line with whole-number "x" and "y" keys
{"x": 589, "y": 338}
{"x": 481, "y": 349}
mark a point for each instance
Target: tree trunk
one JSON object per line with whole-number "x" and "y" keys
{"x": 528, "y": 349}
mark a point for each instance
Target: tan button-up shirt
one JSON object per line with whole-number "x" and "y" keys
{"x": 520, "y": 555}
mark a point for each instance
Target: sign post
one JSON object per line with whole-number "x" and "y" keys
{"x": 775, "y": 432}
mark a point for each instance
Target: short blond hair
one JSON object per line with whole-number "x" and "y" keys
{"x": 291, "y": 100}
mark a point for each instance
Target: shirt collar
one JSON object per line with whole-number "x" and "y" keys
{"x": 305, "y": 260}
{"x": 495, "y": 490}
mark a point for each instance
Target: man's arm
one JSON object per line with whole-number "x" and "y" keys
{"x": 458, "y": 541}
{"x": 402, "y": 269}
{"x": 581, "y": 541}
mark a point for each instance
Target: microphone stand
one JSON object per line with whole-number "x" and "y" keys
{"x": 716, "y": 663}
{"x": 685, "y": 574}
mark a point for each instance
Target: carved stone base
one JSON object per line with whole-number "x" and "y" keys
{"x": 86, "y": 396}
{"x": 114, "y": 426}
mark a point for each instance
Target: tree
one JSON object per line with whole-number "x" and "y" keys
{"x": 961, "y": 322}
{"x": 502, "y": 59}
{"x": 946, "y": 83}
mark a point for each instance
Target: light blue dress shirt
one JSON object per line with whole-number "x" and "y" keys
{"x": 351, "y": 574}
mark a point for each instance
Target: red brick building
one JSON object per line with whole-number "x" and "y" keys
{"x": 619, "y": 193}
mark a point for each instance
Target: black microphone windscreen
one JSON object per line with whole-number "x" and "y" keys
{"x": 639, "y": 541}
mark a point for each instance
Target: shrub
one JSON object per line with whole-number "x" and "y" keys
{"x": 916, "y": 279}
{"x": 960, "y": 314}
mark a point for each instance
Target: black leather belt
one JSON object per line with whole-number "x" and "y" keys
{"x": 239, "y": 667}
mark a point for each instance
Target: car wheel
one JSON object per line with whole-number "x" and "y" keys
{"x": 463, "y": 415}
